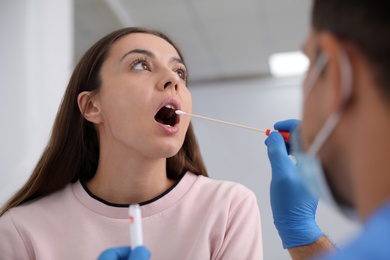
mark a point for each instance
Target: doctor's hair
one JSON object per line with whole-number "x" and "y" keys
{"x": 72, "y": 152}
{"x": 365, "y": 24}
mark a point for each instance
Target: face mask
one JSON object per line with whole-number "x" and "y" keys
{"x": 308, "y": 163}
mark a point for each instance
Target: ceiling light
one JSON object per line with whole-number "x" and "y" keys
{"x": 288, "y": 64}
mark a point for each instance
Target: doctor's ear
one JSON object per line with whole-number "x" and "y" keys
{"x": 89, "y": 106}
{"x": 333, "y": 48}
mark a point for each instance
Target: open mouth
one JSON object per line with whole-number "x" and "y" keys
{"x": 167, "y": 116}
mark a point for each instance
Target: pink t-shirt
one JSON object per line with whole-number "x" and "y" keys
{"x": 198, "y": 219}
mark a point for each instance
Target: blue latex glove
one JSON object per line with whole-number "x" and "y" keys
{"x": 293, "y": 207}
{"x": 125, "y": 253}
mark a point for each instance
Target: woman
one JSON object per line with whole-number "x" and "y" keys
{"x": 117, "y": 141}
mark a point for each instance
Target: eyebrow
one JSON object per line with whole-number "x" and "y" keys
{"x": 151, "y": 55}
{"x": 139, "y": 51}
{"x": 177, "y": 60}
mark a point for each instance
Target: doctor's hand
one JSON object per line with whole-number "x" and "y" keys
{"x": 293, "y": 207}
{"x": 125, "y": 253}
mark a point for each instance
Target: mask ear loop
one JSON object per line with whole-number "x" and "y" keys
{"x": 331, "y": 122}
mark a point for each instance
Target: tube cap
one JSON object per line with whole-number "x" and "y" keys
{"x": 285, "y": 134}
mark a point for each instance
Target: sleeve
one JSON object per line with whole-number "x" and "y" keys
{"x": 243, "y": 238}
{"x": 12, "y": 245}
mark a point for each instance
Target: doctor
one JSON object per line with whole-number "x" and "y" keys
{"x": 342, "y": 143}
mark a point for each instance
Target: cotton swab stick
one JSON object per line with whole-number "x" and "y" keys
{"x": 285, "y": 134}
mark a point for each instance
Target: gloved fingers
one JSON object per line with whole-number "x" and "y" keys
{"x": 288, "y": 148}
{"x": 276, "y": 147}
{"x": 115, "y": 253}
{"x": 287, "y": 125}
{"x": 140, "y": 253}
{"x": 277, "y": 153}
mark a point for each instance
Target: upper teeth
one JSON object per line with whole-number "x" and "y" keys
{"x": 170, "y": 106}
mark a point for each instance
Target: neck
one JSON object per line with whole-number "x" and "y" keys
{"x": 372, "y": 164}
{"x": 129, "y": 180}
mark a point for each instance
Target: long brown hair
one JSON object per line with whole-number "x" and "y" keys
{"x": 72, "y": 152}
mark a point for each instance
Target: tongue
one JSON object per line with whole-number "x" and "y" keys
{"x": 166, "y": 116}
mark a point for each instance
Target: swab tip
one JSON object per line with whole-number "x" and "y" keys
{"x": 179, "y": 112}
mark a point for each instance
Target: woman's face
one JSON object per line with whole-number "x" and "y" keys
{"x": 143, "y": 82}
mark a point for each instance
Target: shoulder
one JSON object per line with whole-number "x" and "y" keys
{"x": 223, "y": 186}
{"x": 6, "y": 223}
{"x": 372, "y": 242}
{"x": 12, "y": 244}
{"x": 39, "y": 209}
{"x": 226, "y": 191}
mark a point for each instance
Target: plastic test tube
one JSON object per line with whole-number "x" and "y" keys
{"x": 136, "y": 237}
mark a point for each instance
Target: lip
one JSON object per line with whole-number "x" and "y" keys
{"x": 177, "y": 105}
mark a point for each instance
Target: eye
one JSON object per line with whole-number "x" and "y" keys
{"x": 182, "y": 74}
{"x": 140, "y": 64}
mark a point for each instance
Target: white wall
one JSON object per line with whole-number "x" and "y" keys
{"x": 240, "y": 155}
{"x": 37, "y": 57}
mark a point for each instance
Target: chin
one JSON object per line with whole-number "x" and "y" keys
{"x": 337, "y": 185}
{"x": 168, "y": 151}
{"x": 172, "y": 153}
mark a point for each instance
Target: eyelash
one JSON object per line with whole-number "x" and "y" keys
{"x": 138, "y": 61}
{"x": 184, "y": 71}
{"x": 145, "y": 60}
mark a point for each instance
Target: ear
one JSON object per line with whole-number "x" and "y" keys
{"x": 332, "y": 77}
{"x": 89, "y": 106}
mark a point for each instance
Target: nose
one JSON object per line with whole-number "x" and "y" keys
{"x": 170, "y": 80}
{"x": 169, "y": 83}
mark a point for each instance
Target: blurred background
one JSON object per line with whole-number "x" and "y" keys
{"x": 244, "y": 62}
